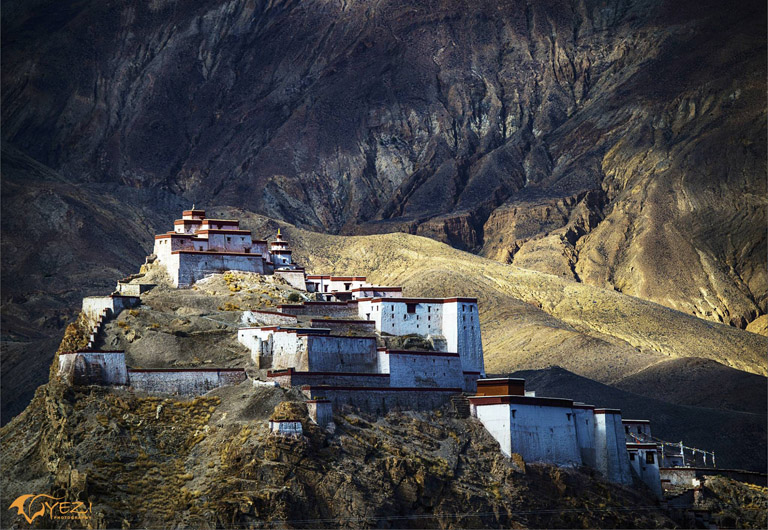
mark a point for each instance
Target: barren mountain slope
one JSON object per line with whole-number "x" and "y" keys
{"x": 622, "y": 143}
{"x": 621, "y": 333}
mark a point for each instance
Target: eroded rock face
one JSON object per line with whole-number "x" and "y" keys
{"x": 432, "y": 119}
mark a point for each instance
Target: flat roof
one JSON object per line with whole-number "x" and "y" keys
{"x": 423, "y": 300}
{"x": 521, "y": 400}
{"x": 497, "y": 379}
{"x": 635, "y": 421}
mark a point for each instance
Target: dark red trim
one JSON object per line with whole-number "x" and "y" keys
{"x": 378, "y": 288}
{"x": 380, "y": 389}
{"x": 187, "y": 221}
{"x": 423, "y": 300}
{"x": 223, "y": 231}
{"x": 420, "y": 352}
{"x": 179, "y": 370}
{"x": 292, "y": 371}
{"x": 521, "y": 400}
{"x": 217, "y": 252}
{"x": 337, "y": 278}
{"x": 97, "y": 351}
{"x": 274, "y": 313}
{"x": 641, "y": 446}
{"x": 342, "y": 321}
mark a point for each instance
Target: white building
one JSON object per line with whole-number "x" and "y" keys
{"x": 455, "y": 320}
{"x": 552, "y": 430}
{"x": 199, "y": 246}
{"x": 644, "y": 459}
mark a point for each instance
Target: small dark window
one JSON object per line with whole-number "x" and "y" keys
{"x": 429, "y": 309}
{"x": 429, "y": 317}
{"x": 649, "y": 459}
{"x": 638, "y": 430}
{"x": 463, "y": 307}
{"x": 346, "y": 286}
{"x": 411, "y": 308}
{"x": 229, "y": 239}
{"x": 631, "y": 456}
{"x": 417, "y": 317}
{"x": 513, "y": 412}
{"x": 626, "y": 429}
{"x": 569, "y": 415}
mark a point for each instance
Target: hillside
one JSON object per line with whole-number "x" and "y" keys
{"x": 210, "y": 462}
{"x": 619, "y": 144}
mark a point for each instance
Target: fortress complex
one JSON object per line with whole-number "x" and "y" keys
{"x": 354, "y": 344}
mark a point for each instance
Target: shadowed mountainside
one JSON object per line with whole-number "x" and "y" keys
{"x": 619, "y": 143}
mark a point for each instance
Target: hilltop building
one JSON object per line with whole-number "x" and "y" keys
{"x": 198, "y": 246}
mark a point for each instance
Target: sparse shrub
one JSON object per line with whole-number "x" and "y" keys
{"x": 294, "y": 297}
{"x": 123, "y": 324}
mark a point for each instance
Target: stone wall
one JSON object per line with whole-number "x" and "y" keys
{"x": 382, "y": 400}
{"x": 321, "y": 309}
{"x": 425, "y": 369}
{"x": 294, "y": 278}
{"x": 320, "y": 410}
{"x": 610, "y": 448}
{"x": 333, "y": 353}
{"x": 186, "y": 382}
{"x": 93, "y": 368}
{"x": 268, "y": 318}
{"x": 133, "y": 289}
{"x": 538, "y": 429}
{"x": 585, "y": 433}
{"x": 191, "y": 266}
{"x": 344, "y": 325}
{"x": 290, "y": 377}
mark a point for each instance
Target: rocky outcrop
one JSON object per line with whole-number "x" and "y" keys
{"x": 212, "y": 462}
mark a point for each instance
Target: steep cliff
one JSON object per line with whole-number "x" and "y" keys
{"x": 621, "y": 144}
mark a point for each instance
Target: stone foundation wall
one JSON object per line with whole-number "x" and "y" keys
{"x": 187, "y": 382}
{"x": 193, "y": 267}
{"x": 93, "y": 368}
{"x": 290, "y": 377}
{"x": 295, "y": 278}
{"x": 382, "y": 400}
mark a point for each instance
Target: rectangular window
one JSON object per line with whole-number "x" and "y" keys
{"x": 411, "y": 308}
{"x": 631, "y": 456}
{"x": 649, "y": 459}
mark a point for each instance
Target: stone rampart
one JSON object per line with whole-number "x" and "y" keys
{"x": 382, "y": 400}
{"x": 185, "y": 381}
{"x": 295, "y": 278}
{"x": 290, "y": 377}
{"x": 87, "y": 367}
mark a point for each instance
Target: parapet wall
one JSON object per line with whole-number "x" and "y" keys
{"x": 321, "y": 309}
{"x": 189, "y": 381}
{"x": 268, "y": 318}
{"x": 337, "y": 325}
